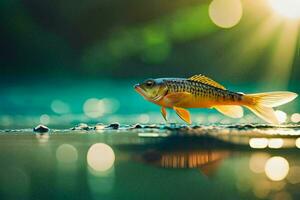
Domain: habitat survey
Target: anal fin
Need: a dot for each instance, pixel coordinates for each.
(183, 114)
(230, 111)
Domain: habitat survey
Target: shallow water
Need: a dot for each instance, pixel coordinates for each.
(215, 158)
(153, 162)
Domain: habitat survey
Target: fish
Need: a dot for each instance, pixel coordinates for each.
(207, 161)
(200, 91)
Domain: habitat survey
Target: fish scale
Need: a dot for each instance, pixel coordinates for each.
(202, 90)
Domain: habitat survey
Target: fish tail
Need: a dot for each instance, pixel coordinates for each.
(262, 104)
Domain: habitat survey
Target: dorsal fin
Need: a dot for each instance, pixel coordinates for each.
(203, 79)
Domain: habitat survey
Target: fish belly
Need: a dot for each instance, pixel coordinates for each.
(205, 102)
(196, 102)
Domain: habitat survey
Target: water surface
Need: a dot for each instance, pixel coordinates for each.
(147, 163)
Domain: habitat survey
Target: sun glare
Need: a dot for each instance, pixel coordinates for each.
(286, 8)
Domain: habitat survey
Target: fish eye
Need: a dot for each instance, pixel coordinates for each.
(149, 83)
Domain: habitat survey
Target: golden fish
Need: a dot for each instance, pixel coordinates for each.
(200, 91)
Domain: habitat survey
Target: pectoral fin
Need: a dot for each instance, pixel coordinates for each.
(175, 98)
(183, 114)
(164, 113)
(230, 111)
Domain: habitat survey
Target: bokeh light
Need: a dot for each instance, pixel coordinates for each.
(66, 153)
(226, 13)
(294, 175)
(281, 116)
(262, 189)
(257, 162)
(278, 185)
(60, 107)
(297, 143)
(148, 134)
(295, 117)
(111, 105)
(277, 168)
(44, 119)
(258, 143)
(143, 118)
(100, 157)
(95, 108)
(275, 143)
(286, 8)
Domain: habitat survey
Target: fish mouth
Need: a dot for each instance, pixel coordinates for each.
(138, 88)
(142, 92)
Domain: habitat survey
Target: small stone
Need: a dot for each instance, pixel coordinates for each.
(115, 125)
(99, 126)
(196, 126)
(242, 127)
(41, 129)
(81, 126)
(137, 126)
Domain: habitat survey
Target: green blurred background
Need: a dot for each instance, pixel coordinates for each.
(100, 48)
(133, 38)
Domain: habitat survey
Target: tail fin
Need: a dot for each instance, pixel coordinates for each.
(262, 104)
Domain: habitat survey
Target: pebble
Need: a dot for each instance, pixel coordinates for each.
(99, 126)
(196, 126)
(242, 126)
(115, 125)
(41, 129)
(81, 126)
(137, 126)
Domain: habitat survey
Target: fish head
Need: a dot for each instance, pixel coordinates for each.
(152, 89)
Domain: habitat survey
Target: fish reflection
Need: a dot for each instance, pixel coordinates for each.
(66, 154)
(207, 161)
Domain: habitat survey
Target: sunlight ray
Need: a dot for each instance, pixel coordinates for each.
(281, 60)
(249, 50)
